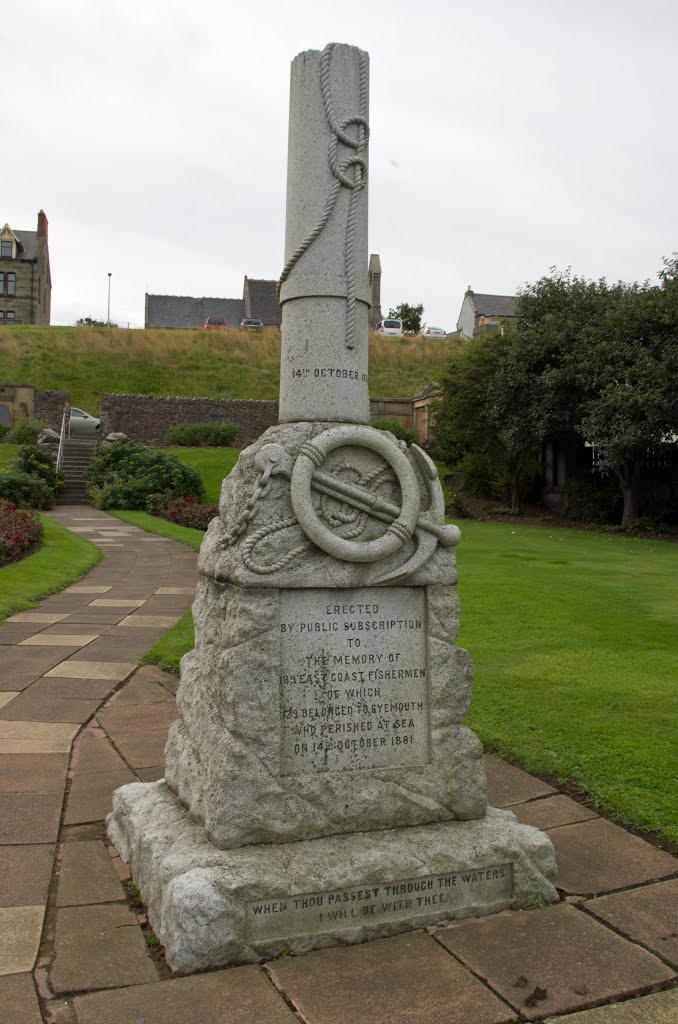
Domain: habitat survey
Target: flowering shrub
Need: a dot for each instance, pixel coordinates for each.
(184, 510)
(20, 530)
(125, 474)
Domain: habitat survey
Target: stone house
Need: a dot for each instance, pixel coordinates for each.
(482, 312)
(25, 280)
(259, 300)
(183, 312)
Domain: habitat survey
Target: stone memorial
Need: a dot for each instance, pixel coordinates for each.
(320, 786)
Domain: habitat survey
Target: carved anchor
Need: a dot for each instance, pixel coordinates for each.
(404, 522)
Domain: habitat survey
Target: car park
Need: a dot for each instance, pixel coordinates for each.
(82, 422)
(250, 323)
(216, 323)
(394, 327)
(433, 332)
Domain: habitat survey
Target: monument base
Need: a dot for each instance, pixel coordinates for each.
(211, 907)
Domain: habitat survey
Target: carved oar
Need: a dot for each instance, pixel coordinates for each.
(355, 495)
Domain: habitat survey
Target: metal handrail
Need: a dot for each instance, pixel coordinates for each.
(65, 432)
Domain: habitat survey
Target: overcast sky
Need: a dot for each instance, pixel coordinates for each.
(507, 136)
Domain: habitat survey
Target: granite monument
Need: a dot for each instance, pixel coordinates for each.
(320, 785)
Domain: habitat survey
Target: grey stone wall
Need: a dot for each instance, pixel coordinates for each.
(146, 419)
(49, 407)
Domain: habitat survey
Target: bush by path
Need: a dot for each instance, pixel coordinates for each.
(126, 474)
(20, 530)
(63, 558)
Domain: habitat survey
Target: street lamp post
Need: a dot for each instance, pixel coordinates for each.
(108, 321)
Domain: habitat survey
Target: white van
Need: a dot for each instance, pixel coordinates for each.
(390, 327)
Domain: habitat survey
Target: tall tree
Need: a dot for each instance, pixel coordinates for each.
(410, 316)
(615, 353)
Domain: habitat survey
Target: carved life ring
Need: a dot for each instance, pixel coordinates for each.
(312, 455)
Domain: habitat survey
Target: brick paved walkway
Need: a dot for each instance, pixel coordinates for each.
(78, 719)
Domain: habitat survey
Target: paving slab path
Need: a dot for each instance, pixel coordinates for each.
(78, 718)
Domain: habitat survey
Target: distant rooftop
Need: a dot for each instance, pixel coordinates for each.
(494, 305)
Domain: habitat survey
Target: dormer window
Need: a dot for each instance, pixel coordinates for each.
(6, 250)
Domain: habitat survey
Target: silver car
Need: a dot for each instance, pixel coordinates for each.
(432, 332)
(82, 422)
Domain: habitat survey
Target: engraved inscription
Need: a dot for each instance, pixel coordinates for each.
(326, 373)
(372, 903)
(353, 679)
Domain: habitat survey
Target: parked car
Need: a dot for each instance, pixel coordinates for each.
(250, 323)
(82, 422)
(433, 332)
(216, 323)
(390, 327)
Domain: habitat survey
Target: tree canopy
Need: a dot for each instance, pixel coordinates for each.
(587, 358)
(410, 316)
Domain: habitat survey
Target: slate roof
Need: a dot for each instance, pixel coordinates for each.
(29, 241)
(263, 302)
(184, 311)
(495, 305)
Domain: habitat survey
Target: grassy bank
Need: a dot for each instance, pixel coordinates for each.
(213, 464)
(154, 524)
(573, 636)
(89, 361)
(63, 558)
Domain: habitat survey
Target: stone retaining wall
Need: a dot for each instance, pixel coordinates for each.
(49, 407)
(146, 419)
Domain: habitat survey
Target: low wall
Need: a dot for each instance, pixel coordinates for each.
(41, 404)
(146, 419)
(49, 407)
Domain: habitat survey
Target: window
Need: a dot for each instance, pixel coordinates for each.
(6, 250)
(2, 316)
(7, 284)
(10, 316)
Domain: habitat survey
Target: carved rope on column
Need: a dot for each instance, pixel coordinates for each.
(342, 180)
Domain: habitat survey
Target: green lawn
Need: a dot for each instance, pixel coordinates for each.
(573, 635)
(8, 453)
(213, 464)
(63, 558)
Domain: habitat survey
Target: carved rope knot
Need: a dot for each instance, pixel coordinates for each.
(311, 452)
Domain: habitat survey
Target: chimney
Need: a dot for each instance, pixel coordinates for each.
(42, 225)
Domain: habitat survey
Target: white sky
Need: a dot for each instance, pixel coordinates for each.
(507, 136)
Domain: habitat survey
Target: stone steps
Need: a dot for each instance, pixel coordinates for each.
(78, 453)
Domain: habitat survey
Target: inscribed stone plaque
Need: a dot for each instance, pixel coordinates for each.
(376, 902)
(353, 679)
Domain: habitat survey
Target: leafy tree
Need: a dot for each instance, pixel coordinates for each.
(90, 321)
(410, 316)
(614, 354)
(498, 403)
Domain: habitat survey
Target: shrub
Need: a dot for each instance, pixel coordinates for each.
(24, 431)
(592, 499)
(185, 511)
(479, 474)
(37, 459)
(398, 430)
(125, 474)
(20, 530)
(4, 429)
(26, 490)
(213, 435)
